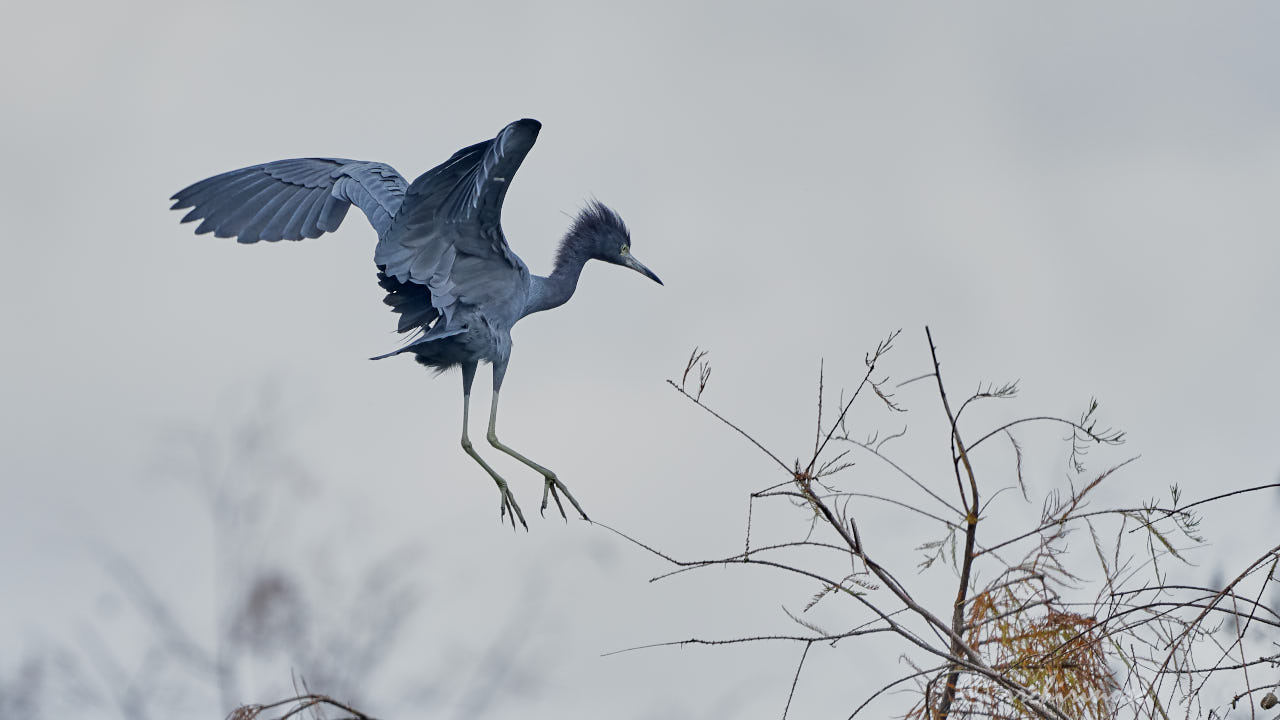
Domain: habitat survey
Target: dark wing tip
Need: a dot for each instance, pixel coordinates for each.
(524, 132)
(528, 123)
(181, 199)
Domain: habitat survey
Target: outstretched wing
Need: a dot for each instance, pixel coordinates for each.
(292, 199)
(447, 235)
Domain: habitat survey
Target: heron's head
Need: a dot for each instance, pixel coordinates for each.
(600, 233)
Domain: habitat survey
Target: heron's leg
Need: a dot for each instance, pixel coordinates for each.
(552, 485)
(509, 505)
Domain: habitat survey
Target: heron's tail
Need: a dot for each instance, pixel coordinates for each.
(435, 333)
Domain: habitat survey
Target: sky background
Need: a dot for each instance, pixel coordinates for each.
(1080, 196)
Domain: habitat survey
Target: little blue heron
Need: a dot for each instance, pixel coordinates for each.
(441, 255)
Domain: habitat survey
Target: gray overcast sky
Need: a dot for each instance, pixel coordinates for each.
(1081, 196)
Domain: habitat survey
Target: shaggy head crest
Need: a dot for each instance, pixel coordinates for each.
(597, 232)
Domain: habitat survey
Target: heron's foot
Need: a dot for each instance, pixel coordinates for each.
(552, 487)
(509, 508)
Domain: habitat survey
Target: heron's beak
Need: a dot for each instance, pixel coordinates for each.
(639, 267)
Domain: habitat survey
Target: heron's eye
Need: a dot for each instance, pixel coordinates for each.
(625, 249)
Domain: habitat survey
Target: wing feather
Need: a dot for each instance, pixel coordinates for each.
(332, 214)
(225, 209)
(292, 199)
(238, 224)
(293, 229)
(257, 228)
(311, 225)
(277, 225)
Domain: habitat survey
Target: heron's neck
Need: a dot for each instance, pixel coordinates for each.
(556, 289)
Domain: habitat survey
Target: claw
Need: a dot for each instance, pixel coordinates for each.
(550, 487)
(509, 508)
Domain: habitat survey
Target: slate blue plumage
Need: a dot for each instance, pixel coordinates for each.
(441, 255)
